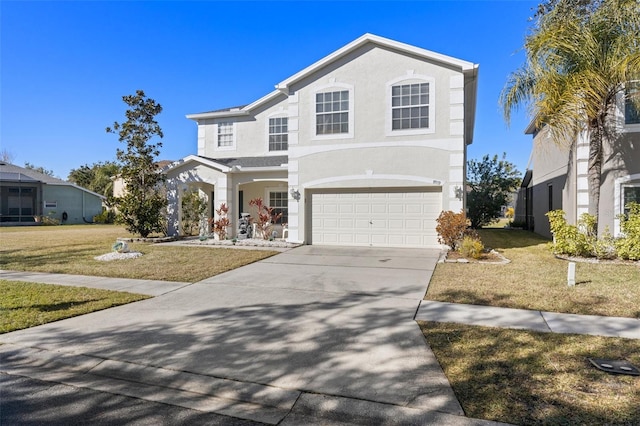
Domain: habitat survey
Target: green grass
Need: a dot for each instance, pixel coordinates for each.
(70, 249)
(536, 279)
(526, 377)
(24, 305)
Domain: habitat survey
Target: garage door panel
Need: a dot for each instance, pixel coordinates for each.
(394, 218)
(414, 209)
(396, 209)
(396, 224)
(362, 239)
(363, 208)
(413, 225)
(362, 224)
(378, 208)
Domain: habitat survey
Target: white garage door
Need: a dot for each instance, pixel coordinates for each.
(383, 219)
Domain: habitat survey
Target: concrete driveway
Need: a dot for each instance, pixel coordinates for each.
(312, 332)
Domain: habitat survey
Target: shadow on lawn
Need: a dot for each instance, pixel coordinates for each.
(525, 377)
(53, 307)
(500, 239)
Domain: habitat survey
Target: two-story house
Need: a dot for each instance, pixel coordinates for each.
(557, 176)
(364, 147)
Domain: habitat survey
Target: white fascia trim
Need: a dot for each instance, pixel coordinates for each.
(265, 99)
(219, 114)
(195, 159)
(470, 100)
(464, 66)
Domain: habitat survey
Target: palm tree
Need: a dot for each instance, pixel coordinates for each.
(578, 61)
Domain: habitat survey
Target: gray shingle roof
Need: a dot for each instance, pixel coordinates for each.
(271, 161)
(11, 172)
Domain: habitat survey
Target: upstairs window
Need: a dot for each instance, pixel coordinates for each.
(278, 134)
(332, 112)
(631, 111)
(225, 135)
(410, 106)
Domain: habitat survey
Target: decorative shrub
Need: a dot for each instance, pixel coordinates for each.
(567, 239)
(222, 223)
(107, 216)
(628, 246)
(265, 218)
(509, 213)
(471, 247)
(194, 208)
(582, 240)
(452, 227)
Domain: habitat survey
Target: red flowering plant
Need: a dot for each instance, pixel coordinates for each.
(265, 218)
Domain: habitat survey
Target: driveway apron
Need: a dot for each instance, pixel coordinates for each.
(331, 322)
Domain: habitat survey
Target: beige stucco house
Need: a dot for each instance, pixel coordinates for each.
(557, 175)
(364, 147)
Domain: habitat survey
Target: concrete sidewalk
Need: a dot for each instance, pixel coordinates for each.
(148, 287)
(429, 310)
(305, 337)
(491, 316)
(309, 336)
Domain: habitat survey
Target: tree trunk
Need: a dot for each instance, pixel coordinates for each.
(595, 170)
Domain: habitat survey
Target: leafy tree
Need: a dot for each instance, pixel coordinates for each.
(38, 169)
(194, 209)
(580, 56)
(582, 7)
(97, 177)
(140, 208)
(490, 183)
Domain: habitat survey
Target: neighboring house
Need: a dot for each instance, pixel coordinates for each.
(364, 147)
(557, 175)
(119, 187)
(27, 195)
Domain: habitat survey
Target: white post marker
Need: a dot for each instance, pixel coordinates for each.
(571, 274)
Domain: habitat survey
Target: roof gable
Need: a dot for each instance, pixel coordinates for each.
(469, 69)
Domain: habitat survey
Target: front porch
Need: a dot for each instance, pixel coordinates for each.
(215, 183)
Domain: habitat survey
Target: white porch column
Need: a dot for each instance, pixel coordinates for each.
(224, 194)
(173, 207)
(582, 176)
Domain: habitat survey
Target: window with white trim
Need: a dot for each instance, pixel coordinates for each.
(225, 134)
(630, 193)
(410, 106)
(279, 202)
(631, 110)
(332, 112)
(278, 134)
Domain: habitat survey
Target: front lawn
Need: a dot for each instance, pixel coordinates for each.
(536, 279)
(70, 249)
(525, 377)
(24, 305)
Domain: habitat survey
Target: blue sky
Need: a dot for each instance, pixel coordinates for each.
(66, 65)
